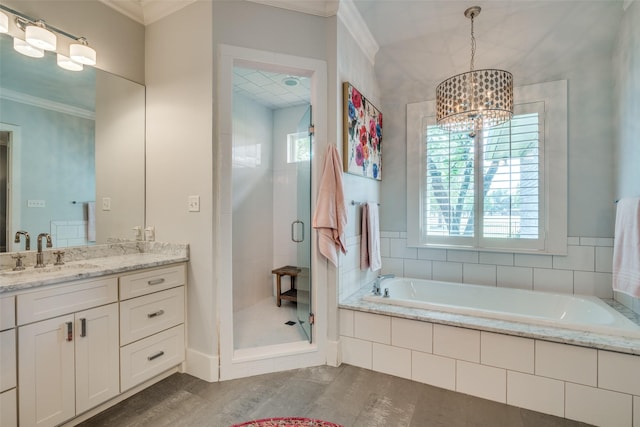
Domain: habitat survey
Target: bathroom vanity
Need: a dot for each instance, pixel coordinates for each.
(79, 337)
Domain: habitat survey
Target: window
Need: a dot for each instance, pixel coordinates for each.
(498, 191)
(298, 147)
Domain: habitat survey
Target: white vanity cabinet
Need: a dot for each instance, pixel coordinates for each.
(151, 323)
(8, 374)
(68, 363)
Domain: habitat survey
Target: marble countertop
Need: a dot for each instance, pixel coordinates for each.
(96, 261)
(566, 336)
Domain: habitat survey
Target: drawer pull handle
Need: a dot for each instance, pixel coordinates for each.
(155, 282)
(155, 356)
(83, 327)
(156, 314)
(69, 331)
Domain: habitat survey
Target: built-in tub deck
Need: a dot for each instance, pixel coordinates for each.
(602, 341)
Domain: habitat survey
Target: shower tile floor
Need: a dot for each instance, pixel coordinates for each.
(264, 323)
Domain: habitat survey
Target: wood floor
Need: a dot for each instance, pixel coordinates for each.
(345, 395)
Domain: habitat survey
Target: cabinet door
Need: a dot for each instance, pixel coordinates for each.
(46, 387)
(97, 356)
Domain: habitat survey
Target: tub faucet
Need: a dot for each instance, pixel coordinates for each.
(27, 239)
(40, 255)
(376, 283)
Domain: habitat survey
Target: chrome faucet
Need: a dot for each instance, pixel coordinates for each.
(27, 239)
(376, 283)
(39, 255)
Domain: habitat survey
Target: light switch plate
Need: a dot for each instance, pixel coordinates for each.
(106, 203)
(194, 203)
(36, 203)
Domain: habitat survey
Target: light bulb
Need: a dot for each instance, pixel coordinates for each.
(82, 53)
(38, 36)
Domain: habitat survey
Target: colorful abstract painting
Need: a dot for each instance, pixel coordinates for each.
(362, 135)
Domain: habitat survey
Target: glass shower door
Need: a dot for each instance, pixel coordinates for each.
(301, 233)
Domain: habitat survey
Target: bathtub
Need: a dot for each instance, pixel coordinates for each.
(576, 312)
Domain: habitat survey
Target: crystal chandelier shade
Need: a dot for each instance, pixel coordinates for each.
(477, 99)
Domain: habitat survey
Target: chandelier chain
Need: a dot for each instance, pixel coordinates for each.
(473, 43)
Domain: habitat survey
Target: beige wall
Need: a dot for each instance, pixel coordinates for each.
(117, 39)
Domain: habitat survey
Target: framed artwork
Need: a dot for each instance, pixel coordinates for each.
(362, 128)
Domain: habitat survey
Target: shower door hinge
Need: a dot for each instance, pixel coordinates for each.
(312, 318)
(312, 130)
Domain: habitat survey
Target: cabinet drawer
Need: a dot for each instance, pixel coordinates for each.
(8, 409)
(146, 282)
(149, 314)
(7, 313)
(7, 360)
(66, 299)
(151, 356)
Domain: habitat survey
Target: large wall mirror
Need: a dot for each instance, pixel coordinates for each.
(71, 152)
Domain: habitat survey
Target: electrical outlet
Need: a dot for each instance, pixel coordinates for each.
(106, 203)
(194, 203)
(36, 204)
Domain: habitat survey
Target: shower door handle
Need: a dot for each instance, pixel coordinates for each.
(293, 226)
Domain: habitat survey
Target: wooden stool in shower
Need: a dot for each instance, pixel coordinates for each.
(291, 294)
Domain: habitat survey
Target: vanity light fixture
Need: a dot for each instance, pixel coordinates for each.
(66, 63)
(40, 37)
(26, 49)
(477, 99)
(37, 35)
(81, 52)
(4, 23)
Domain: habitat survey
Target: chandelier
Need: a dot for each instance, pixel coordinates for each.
(477, 99)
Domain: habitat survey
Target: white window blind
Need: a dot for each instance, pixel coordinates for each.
(492, 191)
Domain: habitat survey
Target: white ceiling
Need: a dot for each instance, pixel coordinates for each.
(271, 89)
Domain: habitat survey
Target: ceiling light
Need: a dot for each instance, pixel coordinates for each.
(82, 53)
(38, 36)
(26, 49)
(477, 99)
(291, 81)
(4, 23)
(68, 64)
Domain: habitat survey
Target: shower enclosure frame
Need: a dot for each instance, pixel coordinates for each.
(237, 363)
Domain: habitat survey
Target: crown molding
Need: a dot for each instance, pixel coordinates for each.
(34, 101)
(353, 21)
(312, 7)
(147, 11)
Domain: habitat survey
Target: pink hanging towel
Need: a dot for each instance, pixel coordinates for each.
(330, 217)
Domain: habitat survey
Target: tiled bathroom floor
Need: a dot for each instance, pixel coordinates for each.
(350, 396)
(264, 324)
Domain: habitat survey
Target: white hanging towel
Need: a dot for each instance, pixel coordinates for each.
(91, 221)
(373, 223)
(626, 247)
(330, 216)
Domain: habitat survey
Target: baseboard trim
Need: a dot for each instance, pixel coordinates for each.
(334, 355)
(203, 366)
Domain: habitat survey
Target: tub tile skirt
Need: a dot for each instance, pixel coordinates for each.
(590, 385)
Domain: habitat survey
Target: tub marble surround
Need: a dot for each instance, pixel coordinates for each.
(549, 333)
(582, 376)
(84, 262)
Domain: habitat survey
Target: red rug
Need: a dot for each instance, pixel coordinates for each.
(287, 422)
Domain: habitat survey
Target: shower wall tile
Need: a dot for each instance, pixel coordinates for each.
(419, 269)
(527, 260)
(578, 258)
(597, 284)
(434, 370)
(462, 256)
(393, 266)
(604, 259)
(515, 277)
(548, 280)
(432, 254)
(479, 274)
(398, 249)
(447, 271)
(496, 258)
